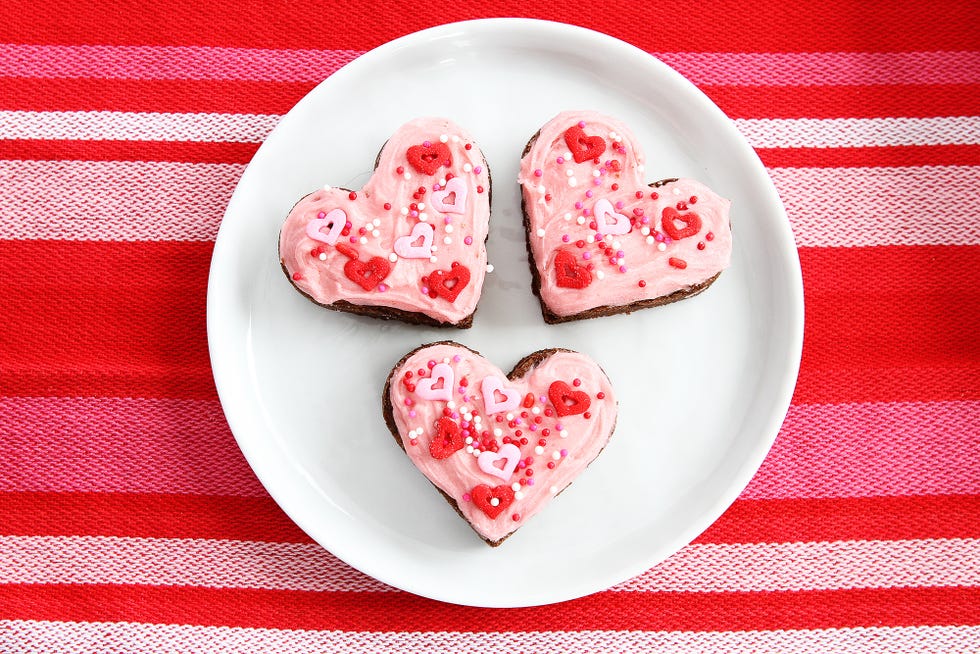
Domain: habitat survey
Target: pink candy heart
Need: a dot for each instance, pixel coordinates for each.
(405, 245)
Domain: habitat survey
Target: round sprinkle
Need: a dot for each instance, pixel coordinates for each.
(494, 501)
(489, 270)
(468, 240)
(541, 232)
(443, 138)
(393, 257)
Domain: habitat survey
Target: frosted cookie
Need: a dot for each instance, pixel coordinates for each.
(498, 446)
(600, 240)
(409, 245)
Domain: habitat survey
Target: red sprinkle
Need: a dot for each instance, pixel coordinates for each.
(615, 187)
(587, 415)
(701, 245)
(468, 146)
(677, 263)
(400, 170)
(297, 276)
(641, 283)
(693, 199)
(387, 206)
(710, 236)
(516, 517)
(528, 401)
(654, 195)
(576, 382)
(600, 395)
(479, 189)
(352, 195)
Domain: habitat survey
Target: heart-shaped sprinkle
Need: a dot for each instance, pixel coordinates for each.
(448, 284)
(408, 247)
(428, 158)
(492, 501)
(456, 190)
(564, 415)
(566, 400)
(367, 274)
(418, 224)
(492, 385)
(582, 146)
(334, 222)
(509, 454)
(616, 233)
(447, 440)
(604, 212)
(439, 385)
(569, 273)
(669, 219)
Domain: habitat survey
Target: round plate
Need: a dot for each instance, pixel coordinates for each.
(703, 384)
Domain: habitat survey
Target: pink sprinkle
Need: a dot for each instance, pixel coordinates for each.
(588, 194)
(564, 452)
(560, 160)
(465, 428)
(455, 416)
(581, 123)
(408, 401)
(530, 481)
(658, 237)
(622, 269)
(478, 169)
(353, 239)
(435, 187)
(538, 172)
(619, 205)
(466, 497)
(522, 464)
(431, 363)
(414, 214)
(586, 255)
(564, 238)
(468, 240)
(448, 220)
(586, 212)
(456, 358)
(321, 215)
(411, 414)
(426, 144)
(620, 254)
(533, 427)
(382, 287)
(542, 399)
(578, 205)
(462, 390)
(644, 220)
(558, 426)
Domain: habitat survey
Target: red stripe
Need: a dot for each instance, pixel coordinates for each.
(184, 151)
(260, 519)
(857, 101)
(718, 25)
(147, 515)
(394, 611)
(182, 96)
(910, 155)
(883, 323)
(890, 323)
(125, 319)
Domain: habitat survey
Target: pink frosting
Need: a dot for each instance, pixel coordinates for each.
(571, 441)
(460, 227)
(562, 197)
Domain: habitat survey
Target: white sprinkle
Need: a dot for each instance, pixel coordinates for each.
(489, 267)
(617, 245)
(510, 416)
(432, 259)
(650, 240)
(469, 449)
(476, 452)
(568, 216)
(580, 220)
(323, 256)
(450, 404)
(518, 495)
(677, 191)
(563, 433)
(494, 501)
(607, 237)
(376, 222)
(448, 240)
(467, 416)
(644, 230)
(541, 232)
(569, 172)
(467, 167)
(393, 257)
(554, 490)
(363, 240)
(327, 187)
(442, 182)
(498, 432)
(541, 188)
(477, 419)
(375, 233)
(600, 274)
(613, 136)
(568, 156)
(455, 139)
(661, 246)
(407, 175)
(421, 206)
(590, 238)
(469, 440)
(535, 410)
(444, 138)
(515, 486)
(620, 260)
(539, 450)
(640, 168)
(596, 173)
(423, 217)
(556, 455)
(404, 211)
(449, 229)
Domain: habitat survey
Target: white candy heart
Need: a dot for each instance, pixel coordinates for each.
(405, 245)
(456, 187)
(441, 372)
(336, 219)
(511, 454)
(493, 385)
(603, 212)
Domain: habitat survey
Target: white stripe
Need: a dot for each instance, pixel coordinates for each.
(115, 200)
(698, 568)
(924, 205)
(133, 126)
(253, 128)
(859, 132)
(30, 636)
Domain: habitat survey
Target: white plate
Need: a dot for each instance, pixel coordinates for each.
(703, 384)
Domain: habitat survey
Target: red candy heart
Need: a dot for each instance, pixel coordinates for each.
(448, 439)
(568, 401)
(427, 159)
(569, 273)
(483, 494)
(582, 146)
(669, 219)
(448, 283)
(367, 274)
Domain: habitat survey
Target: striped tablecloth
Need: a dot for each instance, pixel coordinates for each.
(130, 522)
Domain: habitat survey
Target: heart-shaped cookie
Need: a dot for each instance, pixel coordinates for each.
(499, 447)
(600, 240)
(410, 244)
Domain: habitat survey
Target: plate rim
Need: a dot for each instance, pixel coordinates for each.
(221, 364)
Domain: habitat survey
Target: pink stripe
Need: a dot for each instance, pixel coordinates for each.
(120, 445)
(862, 450)
(171, 62)
(826, 68)
(191, 62)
